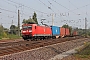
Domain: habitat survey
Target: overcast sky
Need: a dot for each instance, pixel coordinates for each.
(72, 12)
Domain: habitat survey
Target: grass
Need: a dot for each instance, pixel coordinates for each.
(13, 36)
(84, 52)
(10, 36)
(0, 37)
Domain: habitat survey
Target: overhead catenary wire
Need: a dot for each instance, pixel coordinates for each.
(47, 6)
(17, 7)
(65, 7)
(72, 4)
(83, 12)
(68, 8)
(52, 14)
(22, 12)
(43, 2)
(61, 14)
(27, 7)
(60, 5)
(8, 10)
(10, 3)
(78, 7)
(11, 11)
(58, 10)
(22, 4)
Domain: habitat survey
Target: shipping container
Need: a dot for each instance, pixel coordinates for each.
(75, 33)
(67, 33)
(55, 30)
(62, 32)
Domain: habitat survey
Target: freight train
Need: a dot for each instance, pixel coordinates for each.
(35, 31)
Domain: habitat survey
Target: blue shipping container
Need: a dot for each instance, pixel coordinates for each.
(55, 30)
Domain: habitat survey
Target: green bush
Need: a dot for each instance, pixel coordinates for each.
(11, 36)
(0, 37)
(4, 35)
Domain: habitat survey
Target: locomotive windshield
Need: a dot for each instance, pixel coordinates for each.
(27, 27)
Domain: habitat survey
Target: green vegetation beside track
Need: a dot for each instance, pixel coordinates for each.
(13, 36)
(10, 36)
(84, 52)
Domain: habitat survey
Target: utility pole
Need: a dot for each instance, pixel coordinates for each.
(18, 23)
(12, 28)
(85, 27)
(12, 22)
(65, 29)
(52, 20)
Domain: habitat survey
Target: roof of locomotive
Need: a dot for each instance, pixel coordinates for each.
(35, 25)
(28, 24)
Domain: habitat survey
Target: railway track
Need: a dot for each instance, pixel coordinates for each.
(15, 47)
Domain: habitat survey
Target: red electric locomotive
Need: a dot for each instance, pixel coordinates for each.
(34, 31)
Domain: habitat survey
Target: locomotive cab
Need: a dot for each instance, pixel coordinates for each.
(27, 31)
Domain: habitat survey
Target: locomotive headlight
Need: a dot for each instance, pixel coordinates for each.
(23, 31)
(30, 30)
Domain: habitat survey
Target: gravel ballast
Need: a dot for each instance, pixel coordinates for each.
(45, 53)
